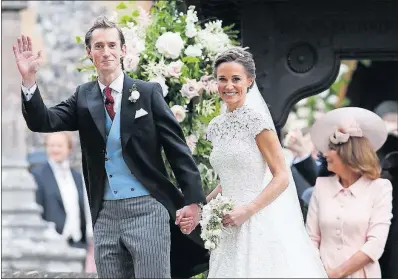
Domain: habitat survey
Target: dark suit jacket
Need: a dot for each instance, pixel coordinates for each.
(389, 259)
(49, 197)
(142, 141)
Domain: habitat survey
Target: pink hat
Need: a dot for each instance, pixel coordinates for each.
(338, 125)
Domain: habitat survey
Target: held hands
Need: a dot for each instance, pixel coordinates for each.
(27, 62)
(188, 218)
(237, 216)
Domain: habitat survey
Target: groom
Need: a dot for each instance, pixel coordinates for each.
(122, 133)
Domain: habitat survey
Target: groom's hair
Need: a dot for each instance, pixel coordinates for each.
(102, 22)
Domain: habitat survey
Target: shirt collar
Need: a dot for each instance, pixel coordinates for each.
(65, 165)
(116, 85)
(356, 189)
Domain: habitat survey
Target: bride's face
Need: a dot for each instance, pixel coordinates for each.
(233, 82)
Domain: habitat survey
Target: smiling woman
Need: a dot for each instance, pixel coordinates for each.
(350, 213)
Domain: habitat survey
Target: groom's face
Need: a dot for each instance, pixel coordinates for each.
(106, 50)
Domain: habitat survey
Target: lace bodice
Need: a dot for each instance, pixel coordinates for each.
(236, 157)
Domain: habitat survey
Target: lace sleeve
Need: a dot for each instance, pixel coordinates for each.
(259, 122)
(210, 131)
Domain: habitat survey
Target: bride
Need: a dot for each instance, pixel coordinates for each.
(266, 236)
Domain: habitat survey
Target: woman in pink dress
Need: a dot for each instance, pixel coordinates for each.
(350, 213)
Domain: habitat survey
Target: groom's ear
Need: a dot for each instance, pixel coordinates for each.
(88, 50)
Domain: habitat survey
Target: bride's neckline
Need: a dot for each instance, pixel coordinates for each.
(237, 109)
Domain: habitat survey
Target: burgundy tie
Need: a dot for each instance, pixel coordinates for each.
(109, 102)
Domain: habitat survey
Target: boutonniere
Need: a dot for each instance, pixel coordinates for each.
(134, 93)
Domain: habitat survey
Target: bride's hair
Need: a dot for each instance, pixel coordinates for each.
(238, 55)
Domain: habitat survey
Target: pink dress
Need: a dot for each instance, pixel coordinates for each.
(341, 221)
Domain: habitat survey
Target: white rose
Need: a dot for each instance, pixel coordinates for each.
(160, 80)
(193, 50)
(134, 96)
(130, 62)
(170, 45)
(179, 112)
(190, 89)
(216, 232)
(174, 69)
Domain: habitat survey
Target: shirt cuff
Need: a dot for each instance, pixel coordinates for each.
(300, 159)
(28, 92)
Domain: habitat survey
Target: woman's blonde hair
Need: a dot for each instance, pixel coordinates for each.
(358, 154)
(68, 136)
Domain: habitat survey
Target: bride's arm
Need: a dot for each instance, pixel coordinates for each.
(214, 193)
(268, 143)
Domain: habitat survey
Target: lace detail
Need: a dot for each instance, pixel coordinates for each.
(240, 123)
(273, 243)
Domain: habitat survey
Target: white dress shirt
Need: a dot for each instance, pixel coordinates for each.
(116, 87)
(70, 198)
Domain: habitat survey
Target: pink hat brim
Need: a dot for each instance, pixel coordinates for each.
(372, 126)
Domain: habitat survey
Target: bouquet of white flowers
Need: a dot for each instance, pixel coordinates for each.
(211, 222)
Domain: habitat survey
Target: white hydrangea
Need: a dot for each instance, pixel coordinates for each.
(170, 44)
(193, 50)
(213, 38)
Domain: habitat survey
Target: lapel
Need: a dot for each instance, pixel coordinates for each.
(51, 181)
(95, 104)
(127, 111)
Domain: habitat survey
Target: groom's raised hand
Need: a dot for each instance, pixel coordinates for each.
(27, 62)
(187, 218)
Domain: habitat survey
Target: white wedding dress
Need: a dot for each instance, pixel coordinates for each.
(274, 242)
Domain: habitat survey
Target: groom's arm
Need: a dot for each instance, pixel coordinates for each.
(177, 151)
(39, 118)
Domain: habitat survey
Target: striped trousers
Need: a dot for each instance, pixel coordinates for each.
(132, 239)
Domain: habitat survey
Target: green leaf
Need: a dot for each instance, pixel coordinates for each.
(78, 39)
(190, 59)
(121, 6)
(135, 13)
